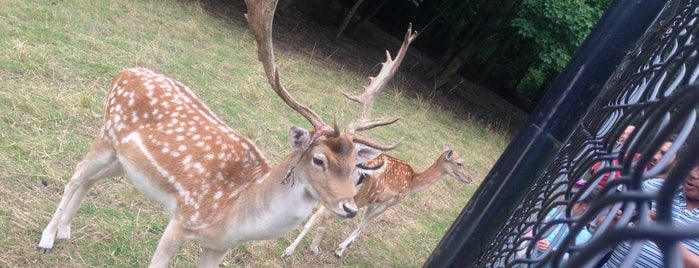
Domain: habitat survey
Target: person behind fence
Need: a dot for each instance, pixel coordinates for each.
(610, 176)
(664, 148)
(561, 231)
(685, 211)
(625, 135)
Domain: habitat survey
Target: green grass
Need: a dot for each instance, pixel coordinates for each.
(56, 61)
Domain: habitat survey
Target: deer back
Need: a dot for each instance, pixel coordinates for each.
(171, 144)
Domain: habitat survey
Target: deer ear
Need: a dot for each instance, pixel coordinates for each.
(363, 153)
(449, 155)
(299, 138)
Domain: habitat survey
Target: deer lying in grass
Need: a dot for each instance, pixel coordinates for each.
(218, 188)
(385, 182)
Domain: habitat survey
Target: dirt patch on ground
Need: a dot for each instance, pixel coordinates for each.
(297, 33)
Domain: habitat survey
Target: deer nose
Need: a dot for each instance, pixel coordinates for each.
(351, 209)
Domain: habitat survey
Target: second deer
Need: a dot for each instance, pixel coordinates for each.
(385, 182)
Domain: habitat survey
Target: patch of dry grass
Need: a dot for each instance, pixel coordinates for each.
(56, 61)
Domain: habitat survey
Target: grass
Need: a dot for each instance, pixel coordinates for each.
(56, 61)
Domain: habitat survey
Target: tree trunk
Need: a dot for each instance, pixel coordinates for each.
(348, 18)
(480, 19)
(365, 19)
(492, 18)
(499, 53)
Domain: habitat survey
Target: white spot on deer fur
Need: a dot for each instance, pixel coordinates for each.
(134, 117)
(182, 148)
(179, 138)
(153, 101)
(218, 195)
(199, 168)
(194, 217)
(186, 160)
(219, 176)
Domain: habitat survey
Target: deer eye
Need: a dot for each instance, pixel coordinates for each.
(317, 161)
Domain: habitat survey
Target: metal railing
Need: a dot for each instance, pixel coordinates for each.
(639, 66)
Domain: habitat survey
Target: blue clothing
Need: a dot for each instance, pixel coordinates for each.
(581, 238)
(651, 256)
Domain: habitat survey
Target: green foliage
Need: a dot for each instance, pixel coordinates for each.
(557, 29)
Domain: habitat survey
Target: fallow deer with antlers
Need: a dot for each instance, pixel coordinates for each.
(384, 182)
(218, 188)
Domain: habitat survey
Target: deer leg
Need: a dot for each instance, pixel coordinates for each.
(100, 163)
(63, 231)
(372, 212)
(212, 257)
(307, 227)
(170, 242)
(313, 247)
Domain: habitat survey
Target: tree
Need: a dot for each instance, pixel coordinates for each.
(489, 18)
(557, 29)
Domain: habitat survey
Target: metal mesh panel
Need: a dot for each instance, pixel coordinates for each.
(655, 90)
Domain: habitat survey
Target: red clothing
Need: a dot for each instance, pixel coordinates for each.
(605, 177)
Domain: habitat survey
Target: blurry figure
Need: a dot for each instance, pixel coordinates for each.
(664, 148)
(609, 176)
(685, 211)
(625, 135)
(561, 230)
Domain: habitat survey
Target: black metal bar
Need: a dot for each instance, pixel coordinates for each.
(548, 126)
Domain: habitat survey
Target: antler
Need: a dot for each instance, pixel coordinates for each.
(260, 16)
(371, 92)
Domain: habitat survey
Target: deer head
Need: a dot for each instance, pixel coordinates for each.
(328, 153)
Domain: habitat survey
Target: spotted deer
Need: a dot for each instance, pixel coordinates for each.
(216, 185)
(384, 182)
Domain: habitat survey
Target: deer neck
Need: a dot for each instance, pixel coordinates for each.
(274, 204)
(423, 180)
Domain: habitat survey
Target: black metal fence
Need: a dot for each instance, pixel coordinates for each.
(639, 67)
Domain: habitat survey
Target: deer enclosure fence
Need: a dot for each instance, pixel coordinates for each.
(638, 67)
